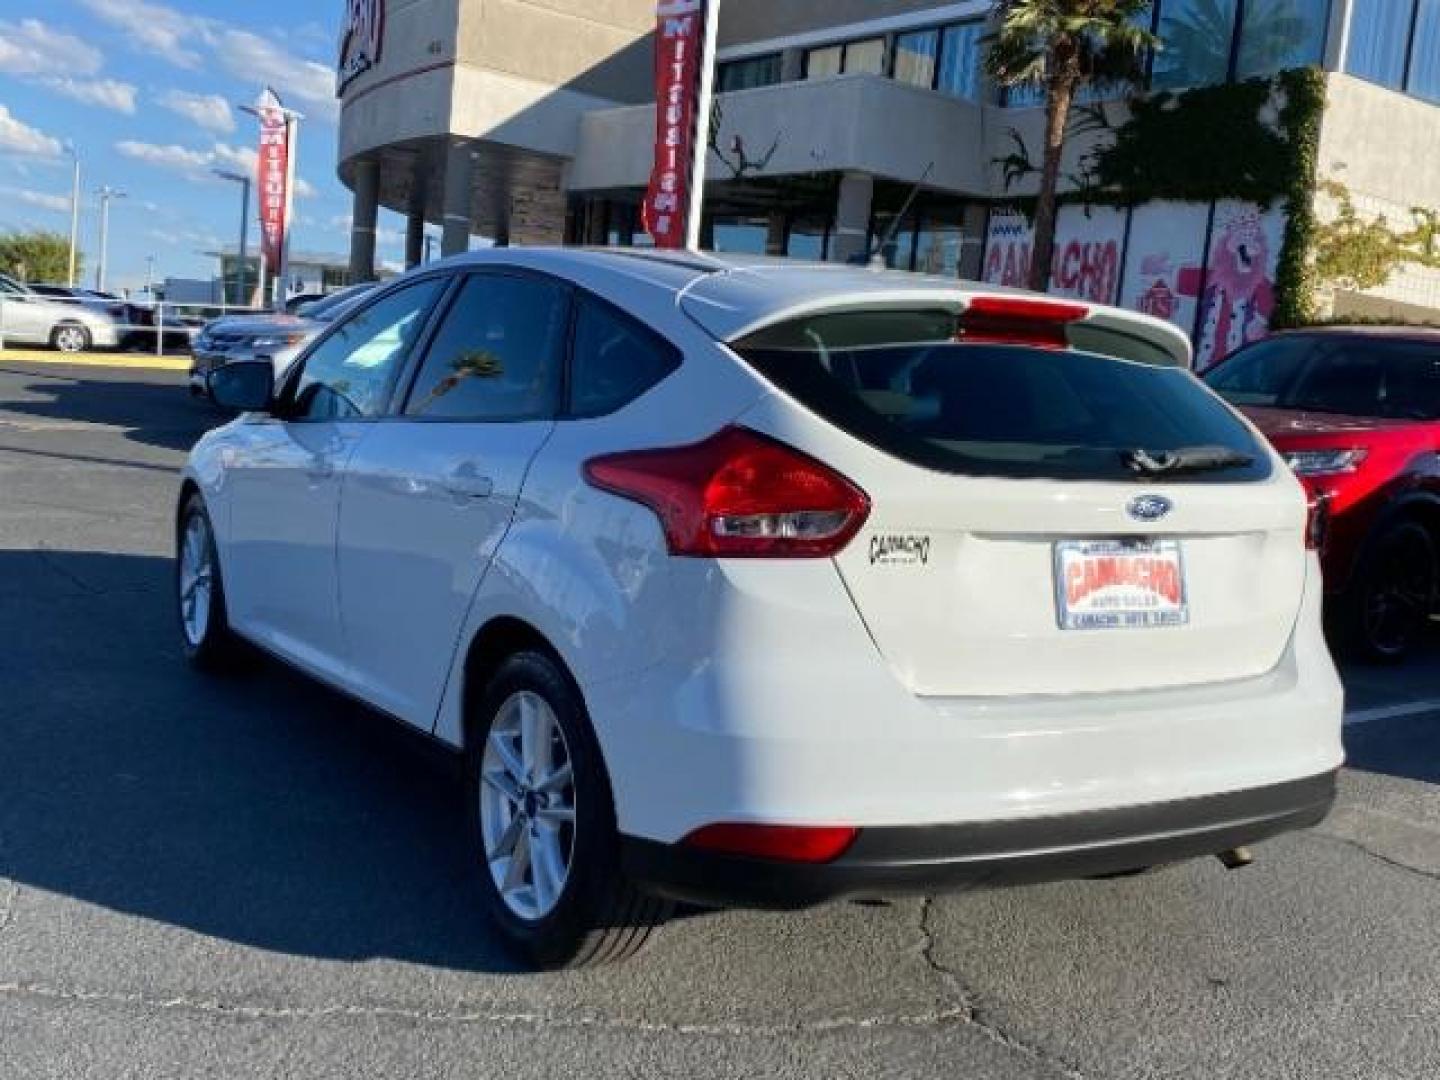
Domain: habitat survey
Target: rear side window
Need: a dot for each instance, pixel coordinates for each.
(497, 354)
(1350, 375)
(614, 360)
(998, 409)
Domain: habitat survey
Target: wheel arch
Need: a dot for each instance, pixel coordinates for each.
(496, 641)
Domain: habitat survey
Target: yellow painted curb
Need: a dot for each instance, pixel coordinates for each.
(131, 361)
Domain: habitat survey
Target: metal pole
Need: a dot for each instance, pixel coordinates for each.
(72, 281)
(702, 125)
(244, 300)
(104, 239)
(292, 139)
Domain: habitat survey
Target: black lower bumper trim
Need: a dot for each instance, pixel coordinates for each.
(892, 861)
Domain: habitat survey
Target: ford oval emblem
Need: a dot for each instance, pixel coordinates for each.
(1149, 507)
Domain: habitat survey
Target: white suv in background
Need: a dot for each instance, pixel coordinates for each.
(757, 583)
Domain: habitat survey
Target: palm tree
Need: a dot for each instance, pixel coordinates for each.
(1062, 46)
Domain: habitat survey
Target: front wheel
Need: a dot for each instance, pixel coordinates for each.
(70, 338)
(1389, 605)
(205, 631)
(542, 824)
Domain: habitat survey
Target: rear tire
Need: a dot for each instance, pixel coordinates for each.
(1387, 609)
(541, 824)
(70, 338)
(205, 635)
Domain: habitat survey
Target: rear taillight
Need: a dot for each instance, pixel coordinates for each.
(1317, 524)
(738, 494)
(781, 843)
(1019, 320)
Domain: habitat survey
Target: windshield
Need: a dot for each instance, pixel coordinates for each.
(1352, 375)
(1003, 410)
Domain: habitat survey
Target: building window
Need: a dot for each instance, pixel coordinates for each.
(960, 68)
(748, 74)
(1379, 40)
(823, 63)
(915, 57)
(1424, 80)
(1198, 36)
(865, 57)
(1280, 34)
(853, 58)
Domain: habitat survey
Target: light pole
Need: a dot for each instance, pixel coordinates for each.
(107, 195)
(149, 275)
(292, 144)
(244, 181)
(71, 149)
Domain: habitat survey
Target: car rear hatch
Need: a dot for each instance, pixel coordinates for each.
(1057, 505)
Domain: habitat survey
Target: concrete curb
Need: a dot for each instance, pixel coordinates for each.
(128, 361)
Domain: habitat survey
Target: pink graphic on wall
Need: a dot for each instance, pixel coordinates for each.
(1008, 244)
(1162, 269)
(1240, 280)
(1087, 252)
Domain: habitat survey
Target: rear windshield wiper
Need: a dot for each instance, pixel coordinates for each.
(1185, 459)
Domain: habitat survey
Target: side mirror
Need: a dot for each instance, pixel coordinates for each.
(245, 386)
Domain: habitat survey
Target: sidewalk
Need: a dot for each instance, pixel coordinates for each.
(137, 361)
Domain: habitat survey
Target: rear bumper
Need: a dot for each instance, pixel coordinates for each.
(939, 858)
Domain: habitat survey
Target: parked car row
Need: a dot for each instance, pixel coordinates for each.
(749, 583)
(73, 320)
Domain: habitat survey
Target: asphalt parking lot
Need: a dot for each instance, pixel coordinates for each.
(251, 878)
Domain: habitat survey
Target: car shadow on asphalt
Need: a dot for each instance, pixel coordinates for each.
(258, 808)
(153, 408)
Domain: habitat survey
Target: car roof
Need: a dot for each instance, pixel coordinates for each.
(732, 296)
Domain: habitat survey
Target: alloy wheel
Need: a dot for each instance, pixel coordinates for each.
(70, 339)
(1400, 593)
(527, 806)
(197, 574)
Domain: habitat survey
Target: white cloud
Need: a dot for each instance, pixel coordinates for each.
(20, 138)
(302, 82)
(209, 111)
(106, 93)
(41, 200)
(168, 157)
(162, 31)
(242, 159)
(30, 47)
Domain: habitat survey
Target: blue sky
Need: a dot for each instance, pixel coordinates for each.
(147, 91)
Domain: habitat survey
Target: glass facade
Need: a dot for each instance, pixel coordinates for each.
(750, 73)
(1198, 37)
(960, 68)
(915, 57)
(1396, 43)
(1281, 34)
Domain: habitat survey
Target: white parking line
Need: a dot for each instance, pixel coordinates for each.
(1355, 717)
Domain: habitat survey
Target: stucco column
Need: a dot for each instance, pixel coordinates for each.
(852, 216)
(459, 200)
(775, 233)
(363, 217)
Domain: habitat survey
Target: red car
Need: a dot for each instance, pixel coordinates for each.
(1356, 412)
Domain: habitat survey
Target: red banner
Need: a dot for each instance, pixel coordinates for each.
(679, 51)
(274, 179)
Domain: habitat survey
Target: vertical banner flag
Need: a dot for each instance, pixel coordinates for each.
(274, 179)
(679, 49)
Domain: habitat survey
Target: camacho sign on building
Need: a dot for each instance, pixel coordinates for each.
(362, 36)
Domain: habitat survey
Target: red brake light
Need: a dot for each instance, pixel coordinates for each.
(1019, 320)
(781, 843)
(738, 494)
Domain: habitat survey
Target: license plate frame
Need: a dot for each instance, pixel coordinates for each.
(1152, 595)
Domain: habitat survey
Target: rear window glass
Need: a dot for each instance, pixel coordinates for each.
(1348, 375)
(999, 409)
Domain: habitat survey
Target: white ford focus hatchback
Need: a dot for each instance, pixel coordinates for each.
(755, 583)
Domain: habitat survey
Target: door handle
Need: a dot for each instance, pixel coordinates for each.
(467, 482)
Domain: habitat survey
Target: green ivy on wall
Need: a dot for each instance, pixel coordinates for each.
(1211, 144)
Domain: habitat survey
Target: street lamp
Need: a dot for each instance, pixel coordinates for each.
(244, 182)
(292, 143)
(74, 152)
(107, 195)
